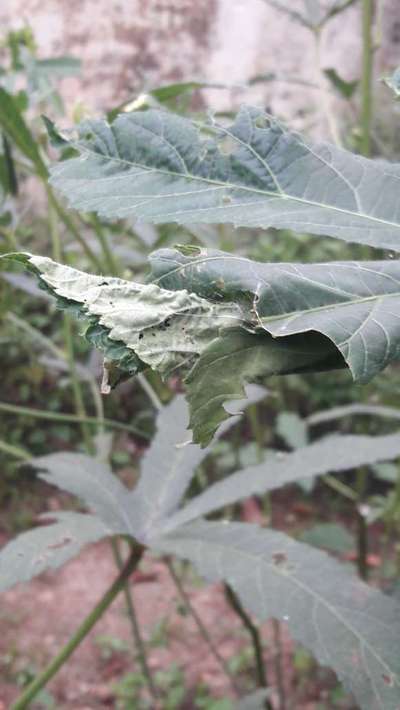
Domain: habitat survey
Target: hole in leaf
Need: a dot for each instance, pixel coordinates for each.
(62, 543)
(227, 146)
(388, 680)
(261, 122)
(279, 558)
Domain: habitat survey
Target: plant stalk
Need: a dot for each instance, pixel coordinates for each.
(54, 666)
(367, 10)
(362, 527)
(73, 418)
(237, 607)
(136, 633)
(201, 626)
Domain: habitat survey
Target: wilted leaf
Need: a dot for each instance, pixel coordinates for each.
(136, 325)
(160, 168)
(346, 624)
(48, 546)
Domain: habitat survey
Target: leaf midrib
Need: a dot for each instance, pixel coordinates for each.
(230, 186)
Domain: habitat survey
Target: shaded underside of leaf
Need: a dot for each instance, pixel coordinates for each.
(238, 357)
(347, 625)
(354, 304)
(159, 167)
(48, 546)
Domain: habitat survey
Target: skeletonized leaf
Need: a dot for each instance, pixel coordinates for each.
(169, 465)
(92, 482)
(159, 167)
(346, 624)
(237, 357)
(134, 324)
(336, 453)
(48, 546)
(354, 304)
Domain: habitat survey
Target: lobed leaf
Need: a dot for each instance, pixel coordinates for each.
(159, 167)
(48, 546)
(346, 624)
(169, 465)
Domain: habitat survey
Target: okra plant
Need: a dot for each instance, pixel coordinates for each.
(221, 321)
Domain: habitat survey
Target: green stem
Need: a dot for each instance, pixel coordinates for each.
(151, 393)
(73, 418)
(201, 626)
(366, 77)
(15, 451)
(136, 633)
(76, 385)
(54, 666)
(254, 635)
(340, 487)
(109, 258)
(325, 99)
(279, 672)
(65, 218)
(362, 527)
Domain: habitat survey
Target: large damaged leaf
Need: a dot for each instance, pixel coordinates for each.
(159, 167)
(346, 624)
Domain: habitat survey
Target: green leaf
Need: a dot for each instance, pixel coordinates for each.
(8, 176)
(48, 546)
(332, 537)
(292, 429)
(351, 410)
(347, 625)
(237, 357)
(354, 304)
(95, 484)
(335, 453)
(344, 88)
(15, 128)
(159, 167)
(393, 82)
